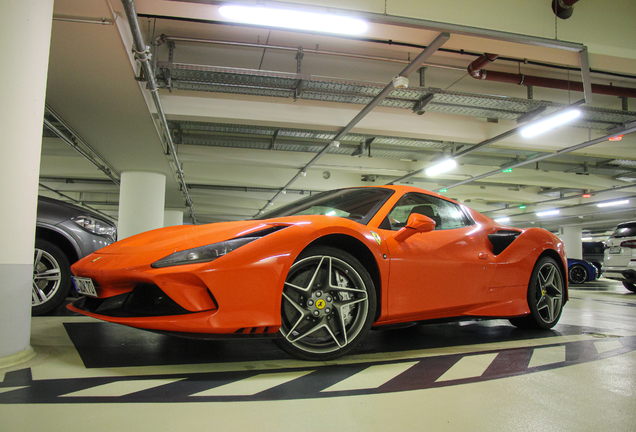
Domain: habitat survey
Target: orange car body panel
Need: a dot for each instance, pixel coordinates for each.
(431, 275)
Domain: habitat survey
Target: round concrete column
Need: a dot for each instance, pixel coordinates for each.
(571, 236)
(141, 202)
(25, 32)
(172, 218)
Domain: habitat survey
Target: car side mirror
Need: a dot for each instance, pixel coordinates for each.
(416, 223)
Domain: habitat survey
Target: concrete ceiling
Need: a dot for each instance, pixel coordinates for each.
(240, 138)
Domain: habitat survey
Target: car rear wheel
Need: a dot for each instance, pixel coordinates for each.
(545, 296)
(328, 305)
(577, 274)
(630, 286)
(51, 277)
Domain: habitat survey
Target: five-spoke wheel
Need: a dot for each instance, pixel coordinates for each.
(545, 296)
(577, 274)
(328, 305)
(51, 278)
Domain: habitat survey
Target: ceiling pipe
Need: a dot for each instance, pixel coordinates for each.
(563, 8)
(477, 71)
(142, 53)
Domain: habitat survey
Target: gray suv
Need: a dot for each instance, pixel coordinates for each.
(619, 261)
(64, 234)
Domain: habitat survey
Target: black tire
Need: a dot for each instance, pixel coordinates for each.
(630, 286)
(577, 274)
(51, 277)
(323, 319)
(545, 296)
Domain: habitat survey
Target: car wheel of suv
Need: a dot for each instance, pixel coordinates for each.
(630, 286)
(328, 305)
(51, 277)
(577, 274)
(545, 296)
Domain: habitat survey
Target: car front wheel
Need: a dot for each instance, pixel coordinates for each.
(51, 277)
(577, 274)
(328, 305)
(546, 292)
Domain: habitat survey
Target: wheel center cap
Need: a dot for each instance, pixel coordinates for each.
(320, 304)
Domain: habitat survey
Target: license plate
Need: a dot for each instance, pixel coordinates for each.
(615, 250)
(84, 286)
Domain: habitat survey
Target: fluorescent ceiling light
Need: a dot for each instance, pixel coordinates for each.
(613, 203)
(549, 123)
(299, 20)
(502, 219)
(587, 238)
(441, 167)
(547, 213)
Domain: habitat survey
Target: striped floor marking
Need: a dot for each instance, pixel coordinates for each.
(605, 346)
(546, 356)
(121, 388)
(8, 389)
(253, 385)
(468, 367)
(371, 377)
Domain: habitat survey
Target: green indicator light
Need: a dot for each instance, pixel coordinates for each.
(442, 190)
(507, 170)
(522, 206)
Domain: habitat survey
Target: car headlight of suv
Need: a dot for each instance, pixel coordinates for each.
(96, 226)
(203, 253)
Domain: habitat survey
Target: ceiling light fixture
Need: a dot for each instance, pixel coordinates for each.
(613, 203)
(549, 123)
(616, 138)
(547, 213)
(587, 238)
(587, 195)
(440, 167)
(298, 20)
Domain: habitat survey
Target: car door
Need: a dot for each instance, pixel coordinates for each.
(439, 273)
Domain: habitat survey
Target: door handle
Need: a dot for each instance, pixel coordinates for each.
(483, 256)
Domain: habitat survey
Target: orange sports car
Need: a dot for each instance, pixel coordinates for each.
(317, 274)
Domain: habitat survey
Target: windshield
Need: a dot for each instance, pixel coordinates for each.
(358, 204)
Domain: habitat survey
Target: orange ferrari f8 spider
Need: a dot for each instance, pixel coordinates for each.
(317, 274)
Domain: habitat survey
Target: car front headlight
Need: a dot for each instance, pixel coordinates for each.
(96, 226)
(203, 253)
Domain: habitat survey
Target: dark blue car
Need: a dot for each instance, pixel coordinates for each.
(581, 271)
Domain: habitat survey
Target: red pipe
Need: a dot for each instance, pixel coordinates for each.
(475, 70)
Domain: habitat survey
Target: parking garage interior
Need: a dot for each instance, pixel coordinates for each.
(152, 113)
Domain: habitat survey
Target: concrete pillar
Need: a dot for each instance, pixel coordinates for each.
(141, 202)
(571, 236)
(172, 218)
(25, 34)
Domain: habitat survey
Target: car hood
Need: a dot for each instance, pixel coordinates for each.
(173, 239)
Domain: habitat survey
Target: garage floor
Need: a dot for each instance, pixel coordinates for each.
(477, 376)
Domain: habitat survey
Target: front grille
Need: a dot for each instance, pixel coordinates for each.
(149, 299)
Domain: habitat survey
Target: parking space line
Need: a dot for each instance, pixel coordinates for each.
(546, 356)
(254, 384)
(607, 345)
(371, 377)
(468, 367)
(121, 388)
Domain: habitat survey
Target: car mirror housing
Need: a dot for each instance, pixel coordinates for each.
(416, 223)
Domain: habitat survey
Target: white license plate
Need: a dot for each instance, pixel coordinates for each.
(84, 286)
(615, 250)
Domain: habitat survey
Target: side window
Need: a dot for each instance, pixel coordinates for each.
(447, 215)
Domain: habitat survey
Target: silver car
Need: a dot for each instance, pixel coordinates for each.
(64, 234)
(619, 260)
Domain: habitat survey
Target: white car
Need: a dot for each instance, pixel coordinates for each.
(619, 260)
